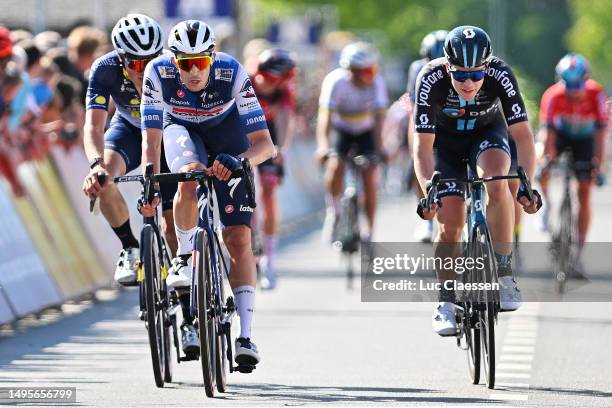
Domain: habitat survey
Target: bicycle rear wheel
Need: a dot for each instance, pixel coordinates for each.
(155, 321)
(207, 329)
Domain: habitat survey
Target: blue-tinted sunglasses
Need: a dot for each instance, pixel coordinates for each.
(462, 76)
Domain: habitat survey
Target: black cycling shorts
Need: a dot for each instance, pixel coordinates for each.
(451, 148)
(582, 152)
(359, 144)
(269, 167)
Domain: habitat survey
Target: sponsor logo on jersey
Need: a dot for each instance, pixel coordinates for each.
(151, 116)
(247, 90)
(180, 93)
(256, 119)
(166, 72)
(454, 113)
(134, 101)
(249, 106)
(245, 208)
(177, 102)
(187, 153)
(425, 86)
(224, 74)
(148, 88)
(100, 99)
(502, 77)
(196, 112)
(229, 209)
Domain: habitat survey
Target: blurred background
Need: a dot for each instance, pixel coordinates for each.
(46, 231)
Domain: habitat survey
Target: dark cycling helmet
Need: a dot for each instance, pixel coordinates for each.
(467, 47)
(573, 70)
(432, 46)
(277, 62)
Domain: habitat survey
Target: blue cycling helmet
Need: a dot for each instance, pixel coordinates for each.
(573, 70)
(432, 46)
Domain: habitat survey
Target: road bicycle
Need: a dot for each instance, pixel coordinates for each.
(477, 309)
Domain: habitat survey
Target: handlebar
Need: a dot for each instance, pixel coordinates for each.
(149, 179)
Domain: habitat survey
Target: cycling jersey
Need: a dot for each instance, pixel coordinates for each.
(574, 119)
(167, 101)
(108, 79)
(352, 107)
(437, 104)
(413, 73)
(278, 99)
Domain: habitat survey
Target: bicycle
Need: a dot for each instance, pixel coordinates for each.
(477, 310)
(157, 304)
(348, 236)
(564, 243)
(212, 309)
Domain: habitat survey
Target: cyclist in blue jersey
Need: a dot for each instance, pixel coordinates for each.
(137, 39)
(203, 104)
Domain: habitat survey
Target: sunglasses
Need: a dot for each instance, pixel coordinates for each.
(137, 65)
(201, 62)
(370, 71)
(462, 76)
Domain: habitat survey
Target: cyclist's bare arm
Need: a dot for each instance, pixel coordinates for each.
(93, 142)
(323, 128)
(284, 122)
(600, 149)
(261, 148)
(93, 132)
(151, 148)
(525, 149)
(422, 151)
(379, 120)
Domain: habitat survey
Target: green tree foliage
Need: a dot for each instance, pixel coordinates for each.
(590, 35)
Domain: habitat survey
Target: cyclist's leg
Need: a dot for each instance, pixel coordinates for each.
(271, 174)
(184, 151)
(168, 191)
(122, 153)
(514, 187)
(582, 151)
(334, 184)
(365, 146)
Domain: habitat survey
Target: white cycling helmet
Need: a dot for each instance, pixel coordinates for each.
(137, 36)
(191, 37)
(358, 55)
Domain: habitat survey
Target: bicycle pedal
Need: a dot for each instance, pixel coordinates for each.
(245, 368)
(142, 315)
(190, 357)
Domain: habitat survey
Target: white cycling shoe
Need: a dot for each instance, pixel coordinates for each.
(444, 321)
(424, 231)
(179, 275)
(246, 352)
(126, 272)
(510, 297)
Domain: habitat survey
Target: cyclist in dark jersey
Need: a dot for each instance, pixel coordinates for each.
(274, 85)
(459, 101)
(118, 75)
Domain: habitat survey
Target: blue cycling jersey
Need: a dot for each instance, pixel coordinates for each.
(108, 79)
(167, 101)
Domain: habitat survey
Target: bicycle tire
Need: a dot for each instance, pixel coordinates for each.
(154, 314)
(471, 328)
(563, 259)
(221, 360)
(488, 315)
(206, 322)
(168, 325)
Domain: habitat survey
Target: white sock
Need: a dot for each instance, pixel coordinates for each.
(269, 247)
(185, 240)
(245, 299)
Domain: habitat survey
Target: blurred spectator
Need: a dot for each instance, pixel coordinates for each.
(20, 35)
(47, 40)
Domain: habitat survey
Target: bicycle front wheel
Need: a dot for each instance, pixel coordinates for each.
(488, 312)
(155, 321)
(207, 329)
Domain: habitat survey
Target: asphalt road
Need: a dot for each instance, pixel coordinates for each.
(321, 344)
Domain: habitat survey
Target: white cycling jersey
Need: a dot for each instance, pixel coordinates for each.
(352, 107)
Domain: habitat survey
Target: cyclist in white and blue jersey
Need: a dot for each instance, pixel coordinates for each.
(203, 104)
(137, 39)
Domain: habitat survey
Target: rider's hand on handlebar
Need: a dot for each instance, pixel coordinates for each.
(91, 186)
(528, 206)
(321, 154)
(425, 213)
(225, 165)
(148, 210)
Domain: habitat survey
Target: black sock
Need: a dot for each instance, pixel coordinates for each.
(124, 232)
(446, 295)
(185, 300)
